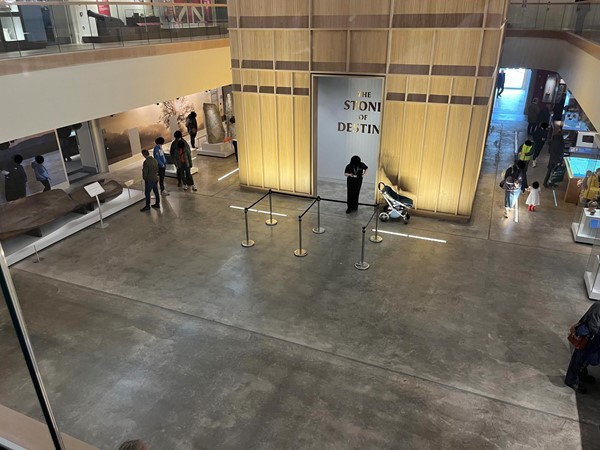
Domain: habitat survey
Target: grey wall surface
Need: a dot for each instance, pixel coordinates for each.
(334, 147)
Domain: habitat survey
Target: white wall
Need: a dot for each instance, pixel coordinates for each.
(335, 147)
(43, 100)
(578, 68)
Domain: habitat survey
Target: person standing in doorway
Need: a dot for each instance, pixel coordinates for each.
(184, 156)
(174, 154)
(41, 173)
(557, 150)
(500, 83)
(354, 172)
(588, 326)
(515, 181)
(540, 136)
(233, 135)
(532, 113)
(150, 176)
(159, 156)
(192, 126)
(15, 180)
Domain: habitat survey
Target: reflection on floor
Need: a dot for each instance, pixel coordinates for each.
(164, 327)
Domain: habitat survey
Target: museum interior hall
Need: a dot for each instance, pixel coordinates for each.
(281, 293)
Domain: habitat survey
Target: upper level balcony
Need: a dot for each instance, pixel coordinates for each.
(31, 28)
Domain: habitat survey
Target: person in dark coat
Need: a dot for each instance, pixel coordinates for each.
(192, 127)
(557, 150)
(532, 113)
(15, 180)
(354, 172)
(500, 83)
(540, 136)
(544, 115)
(577, 371)
(514, 182)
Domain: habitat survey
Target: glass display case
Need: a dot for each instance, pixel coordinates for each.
(592, 272)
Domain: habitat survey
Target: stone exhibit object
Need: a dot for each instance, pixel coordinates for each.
(27, 215)
(215, 133)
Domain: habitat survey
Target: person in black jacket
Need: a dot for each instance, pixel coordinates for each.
(540, 136)
(580, 359)
(500, 81)
(557, 150)
(514, 182)
(544, 115)
(15, 180)
(354, 175)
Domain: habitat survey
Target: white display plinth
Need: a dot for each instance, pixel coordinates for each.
(592, 281)
(586, 231)
(171, 170)
(21, 247)
(220, 150)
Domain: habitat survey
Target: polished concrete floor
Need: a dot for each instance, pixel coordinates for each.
(164, 327)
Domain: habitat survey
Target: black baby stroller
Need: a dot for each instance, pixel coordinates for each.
(397, 205)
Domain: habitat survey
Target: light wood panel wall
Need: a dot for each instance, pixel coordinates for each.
(438, 57)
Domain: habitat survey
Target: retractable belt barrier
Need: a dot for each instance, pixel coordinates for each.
(301, 251)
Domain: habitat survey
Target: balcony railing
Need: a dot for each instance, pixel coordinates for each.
(42, 27)
(582, 18)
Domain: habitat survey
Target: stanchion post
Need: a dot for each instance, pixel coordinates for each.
(319, 229)
(362, 265)
(376, 238)
(300, 252)
(270, 221)
(247, 242)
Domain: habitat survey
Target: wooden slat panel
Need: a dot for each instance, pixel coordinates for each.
(257, 45)
(396, 83)
(249, 77)
(472, 160)
(255, 7)
(233, 44)
(253, 139)
(368, 51)
(284, 79)
(350, 7)
(411, 47)
(391, 139)
(433, 146)
(489, 50)
(454, 156)
(457, 47)
(266, 78)
(439, 6)
(440, 86)
(269, 141)
(496, 6)
(463, 86)
(484, 87)
(301, 80)
(293, 8)
(418, 85)
(238, 99)
(292, 45)
(236, 76)
(329, 46)
(285, 133)
(302, 145)
(411, 147)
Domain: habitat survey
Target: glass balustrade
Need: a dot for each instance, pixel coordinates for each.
(581, 18)
(37, 27)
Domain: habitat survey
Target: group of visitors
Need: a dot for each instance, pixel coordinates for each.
(590, 187)
(155, 166)
(15, 177)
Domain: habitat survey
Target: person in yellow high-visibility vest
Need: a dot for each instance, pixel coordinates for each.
(525, 153)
